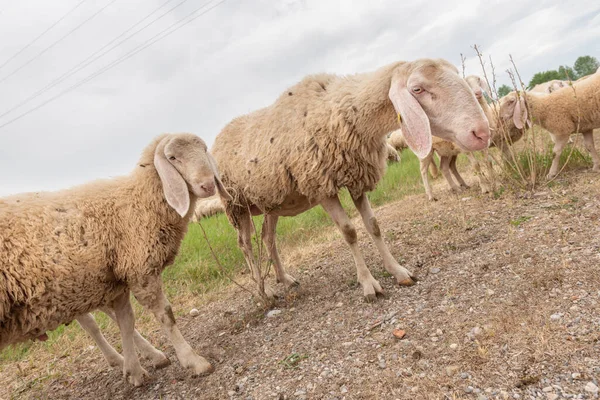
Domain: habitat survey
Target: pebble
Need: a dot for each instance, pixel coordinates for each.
(344, 389)
(434, 270)
(451, 370)
(194, 312)
(551, 396)
(490, 292)
(556, 317)
(548, 389)
(454, 346)
(482, 397)
(464, 375)
(576, 375)
(591, 388)
(273, 313)
(469, 389)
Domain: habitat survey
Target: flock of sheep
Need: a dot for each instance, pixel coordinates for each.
(68, 253)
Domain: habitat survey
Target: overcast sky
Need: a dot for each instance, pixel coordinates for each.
(234, 59)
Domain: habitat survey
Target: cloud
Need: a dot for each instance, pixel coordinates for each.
(237, 58)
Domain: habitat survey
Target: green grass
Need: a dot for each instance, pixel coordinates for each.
(195, 272)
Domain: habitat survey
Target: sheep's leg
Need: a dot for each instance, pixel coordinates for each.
(245, 229)
(269, 237)
(335, 210)
(459, 178)
(424, 164)
(132, 370)
(588, 141)
(88, 323)
(149, 352)
(402, 275)
(445, 167)
(433, 169)
(477, 167)
(559, 144)
(150, 295)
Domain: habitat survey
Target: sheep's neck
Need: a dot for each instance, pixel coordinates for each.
(371, 110)
(538, 108)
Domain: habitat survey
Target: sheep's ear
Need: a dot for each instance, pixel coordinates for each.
(520, 113)
(174, 186)
(485, 87)
(220, 187)
(415, 123)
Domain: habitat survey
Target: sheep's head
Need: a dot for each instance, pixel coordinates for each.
(186, 167)
(555, 85)
(432, 99)
(478, 86)
(513, 110)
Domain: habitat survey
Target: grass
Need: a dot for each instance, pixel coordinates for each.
(195, 272)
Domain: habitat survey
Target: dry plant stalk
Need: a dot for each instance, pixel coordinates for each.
(266, 301)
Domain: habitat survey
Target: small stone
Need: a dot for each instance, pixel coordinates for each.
(490, 292)
(454, 346)
(464, 375)
(548, 389)
(591, 388)
(194, 312)
(451, 370)
(343, 389)
(469, 389)
(399, 333)
(273, 313)
(556, 317)
(340, 304)
(482, 397)
(551, 396)
(439, 332)
(475, 332)
(434, 270)
(576, 375)
(434, 339)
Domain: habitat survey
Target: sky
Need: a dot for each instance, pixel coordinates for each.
(233, 59)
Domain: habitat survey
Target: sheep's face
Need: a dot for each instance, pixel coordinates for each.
(188, 154)
(432, 99)
(478, 85)
(185, 166)
(513, 111)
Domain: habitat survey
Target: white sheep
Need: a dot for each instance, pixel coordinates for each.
(550, 86)
(67, 253)
(569, 110)
(329, 132)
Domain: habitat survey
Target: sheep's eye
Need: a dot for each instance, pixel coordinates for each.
(417, 90)
(172, 158)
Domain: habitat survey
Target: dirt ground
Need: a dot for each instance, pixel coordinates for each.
(507, 307)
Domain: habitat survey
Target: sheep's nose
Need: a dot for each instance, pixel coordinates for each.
(482, 132)
(478, 93)
(208, 186)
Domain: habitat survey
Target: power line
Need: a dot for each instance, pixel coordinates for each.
(41, 34)
(143, 46)
(56, 42)
(90, 59)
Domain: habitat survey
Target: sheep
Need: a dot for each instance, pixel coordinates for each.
(569, 110)
(67, 253)
(208, 207)
(550, 86)
(329, 132)
(392, 154)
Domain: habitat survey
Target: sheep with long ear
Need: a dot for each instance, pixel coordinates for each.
(90, 246)
(329, 132)
(563, 112)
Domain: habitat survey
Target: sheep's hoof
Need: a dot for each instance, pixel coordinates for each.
(135, 376)
(203, 368)
(289, 281)
(433, 198)
(371, 288)
(406, 282)
(161, 363)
